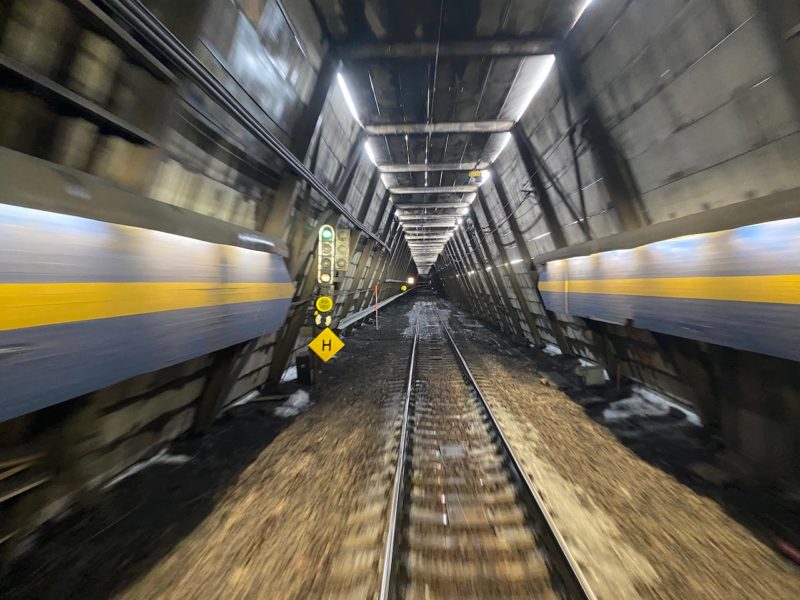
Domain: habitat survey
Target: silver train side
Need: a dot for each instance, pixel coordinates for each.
(112, 285)
(738, 288)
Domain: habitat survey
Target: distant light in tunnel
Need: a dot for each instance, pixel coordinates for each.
(348, 98)
(538, 82)
(410, 281)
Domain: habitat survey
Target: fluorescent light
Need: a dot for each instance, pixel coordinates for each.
(503, 144)
(515, 262)
(581, 11)
(348, 98)
(370, 153)
(538, 82)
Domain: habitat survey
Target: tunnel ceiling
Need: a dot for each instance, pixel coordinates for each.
(437, 85)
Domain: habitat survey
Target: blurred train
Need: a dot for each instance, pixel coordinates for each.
(114, 285)
(738, 288)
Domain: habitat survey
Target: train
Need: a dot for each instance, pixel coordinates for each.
(737, 287)
(99, 284)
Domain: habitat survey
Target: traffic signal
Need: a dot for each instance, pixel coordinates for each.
(327, 246)
(342, 259)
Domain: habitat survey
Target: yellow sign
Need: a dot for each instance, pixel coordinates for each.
(475, 173)
(326, 344)
(403, 288)
(324, 304)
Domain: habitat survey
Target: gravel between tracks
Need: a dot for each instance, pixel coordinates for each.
(636, 531)
(278, 532)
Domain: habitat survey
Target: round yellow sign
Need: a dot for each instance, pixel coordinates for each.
(324, 304)
(403, 288)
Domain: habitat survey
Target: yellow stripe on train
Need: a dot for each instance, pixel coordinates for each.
(37, 304)
(776, 289)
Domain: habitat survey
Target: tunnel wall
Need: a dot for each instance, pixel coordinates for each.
(697, 104)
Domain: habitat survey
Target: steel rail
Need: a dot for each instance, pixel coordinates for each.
(573, 576)
(155, 33)
(399, 477)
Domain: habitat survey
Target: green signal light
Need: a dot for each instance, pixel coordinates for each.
(326, 233)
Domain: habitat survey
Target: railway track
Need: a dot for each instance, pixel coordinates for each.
(464, 521)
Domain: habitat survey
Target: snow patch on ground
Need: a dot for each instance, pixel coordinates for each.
(646, 403)
(297, 403)
(552, 350)
(585, 362)
(417, 313)
(249, 397)
(289, 374)
(161, 458)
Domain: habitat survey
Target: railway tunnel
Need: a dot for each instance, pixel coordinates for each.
(381, 299)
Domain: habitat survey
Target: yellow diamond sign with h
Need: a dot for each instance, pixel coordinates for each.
(326, 344)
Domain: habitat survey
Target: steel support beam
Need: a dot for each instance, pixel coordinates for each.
(465, 293)
(623, 192)
(528, 152)
(427, 168)
(283, 202)
(527, 156)
(372, 276)
(453, 189)
(422, 206)
(512, 275)
(525, 255)
(438, 222)
(493, 306)
(434, 128)
(426, 217)
(427, 225)
(512, 47)
(471, 271)
(782, 20)
(358, 275)
(472, 295)
(419, 212)
(510, 312)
